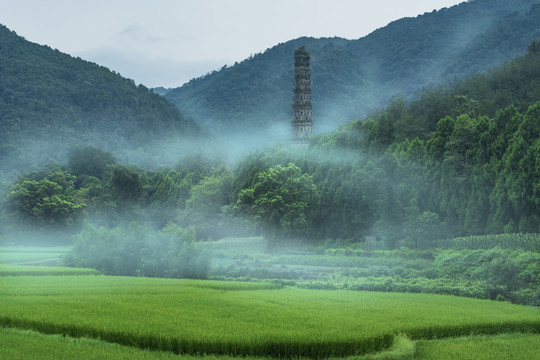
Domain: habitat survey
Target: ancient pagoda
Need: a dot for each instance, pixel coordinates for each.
(302, 123)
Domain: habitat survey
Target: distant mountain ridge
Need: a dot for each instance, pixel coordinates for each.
(352, 77)
(51, 102)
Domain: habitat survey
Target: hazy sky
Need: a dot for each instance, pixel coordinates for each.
(169, 42)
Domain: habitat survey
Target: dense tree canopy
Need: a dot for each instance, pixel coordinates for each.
(51, 201)
(90, 161)
(450, 163)
(281, 199)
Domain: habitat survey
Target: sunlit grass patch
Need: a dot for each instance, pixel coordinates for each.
(193, 317)
(501, 347)
(30, 345)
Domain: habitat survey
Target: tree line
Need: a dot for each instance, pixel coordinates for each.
(459, 160)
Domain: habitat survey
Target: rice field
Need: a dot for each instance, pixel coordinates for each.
(501, 347)
(36, 261)
(25, 345)
(69, 313)
(245, 319)
(28, 345)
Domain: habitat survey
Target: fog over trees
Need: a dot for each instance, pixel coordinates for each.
(137, 188)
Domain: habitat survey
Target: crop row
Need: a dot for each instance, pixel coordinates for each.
(194, 318)
(505, 346)
(530, 242)
(24, 344)
(285, 347)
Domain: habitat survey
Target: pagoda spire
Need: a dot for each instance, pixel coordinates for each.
(302, 123)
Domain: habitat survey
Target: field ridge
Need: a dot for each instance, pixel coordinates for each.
(278, 349)
(177, 345)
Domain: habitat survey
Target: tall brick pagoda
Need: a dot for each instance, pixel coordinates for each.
(302, 123)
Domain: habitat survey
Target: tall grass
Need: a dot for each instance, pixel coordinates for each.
(506, 346)
(193, 317)
(24, 344)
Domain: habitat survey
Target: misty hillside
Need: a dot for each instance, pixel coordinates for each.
(352, 77)
(460, 160)
(51, 102)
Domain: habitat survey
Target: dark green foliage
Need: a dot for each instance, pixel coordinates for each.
(280, 199)
(51, 102)
(471, 171)
(208, 208)
(90, 161)
(126, 185)
(46, 202)
(504, 274)
(197, 193)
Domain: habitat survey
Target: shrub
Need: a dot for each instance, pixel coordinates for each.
(136, 250)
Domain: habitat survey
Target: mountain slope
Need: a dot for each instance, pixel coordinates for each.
(459, 160)
(52, 101)
(351, 77)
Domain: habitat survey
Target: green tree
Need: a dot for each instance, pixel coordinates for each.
(534, 47)
(280, 200)
(520, 172)
(205, 207)
(90, 161)
(125, 184)
(437, 144)
(51, 201)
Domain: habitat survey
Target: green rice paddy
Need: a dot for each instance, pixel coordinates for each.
(36, 261)
(245, 319)
(68, 313)
(500, 347)
(25, 345)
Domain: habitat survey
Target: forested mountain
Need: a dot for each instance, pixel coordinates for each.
(51, 102)
(352, 77)
(461, 159)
